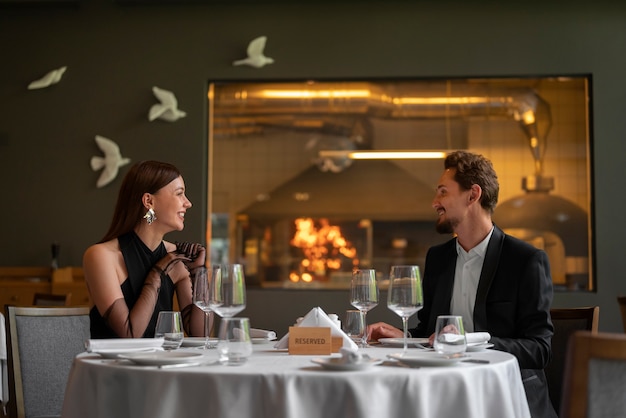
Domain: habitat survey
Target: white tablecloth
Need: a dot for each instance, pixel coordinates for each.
(275, 384)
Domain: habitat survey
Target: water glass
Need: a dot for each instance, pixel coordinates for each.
(169, 326)
(450, 335)
(234, 345)
(354, 325)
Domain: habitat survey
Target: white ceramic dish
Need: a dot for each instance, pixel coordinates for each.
(478, 346)
(426, 359)
(198, 342)
(261, 340)
(338, 364)
(163, 358)
(399, 342)
(118, 352)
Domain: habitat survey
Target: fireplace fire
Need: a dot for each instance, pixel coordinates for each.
(324, 248)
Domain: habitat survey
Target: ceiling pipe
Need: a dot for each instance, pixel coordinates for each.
(238, 107)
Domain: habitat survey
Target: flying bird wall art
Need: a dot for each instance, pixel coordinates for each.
(256, 57)
(167, 109)
(49, 79)
(111, 162)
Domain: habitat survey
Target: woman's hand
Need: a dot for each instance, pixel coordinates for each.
(172, 265)
(195, 254)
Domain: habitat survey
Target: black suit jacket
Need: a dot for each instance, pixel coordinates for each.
(513, 303)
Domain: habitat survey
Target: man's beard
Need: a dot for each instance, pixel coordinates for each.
(445, 227)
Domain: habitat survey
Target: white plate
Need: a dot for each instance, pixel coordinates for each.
(198, 342)
(118, 353)
(261, 340)
(399, 342)
(427, 358)
(479, 346)
(162, 358)
(337, 363)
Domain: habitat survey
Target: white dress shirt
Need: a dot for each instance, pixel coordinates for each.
(469, 265)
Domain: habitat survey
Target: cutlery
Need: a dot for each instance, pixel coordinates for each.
(424, 347)
(177, 366)
(475, 360)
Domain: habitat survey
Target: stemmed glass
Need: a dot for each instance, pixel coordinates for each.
(364, 295)
(404, 296)
(227, 296)
(202, 279)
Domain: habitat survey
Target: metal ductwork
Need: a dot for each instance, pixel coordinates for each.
(337, 107)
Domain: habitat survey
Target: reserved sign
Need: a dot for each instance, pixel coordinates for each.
(312, 341)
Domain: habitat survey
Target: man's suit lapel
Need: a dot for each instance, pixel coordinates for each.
(492, 257)
(442, 297)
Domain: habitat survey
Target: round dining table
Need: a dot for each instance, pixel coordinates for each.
(275, 384)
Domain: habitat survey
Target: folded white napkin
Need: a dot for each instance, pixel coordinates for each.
(122, 344)
(318, 318)
(477, 337)
(352, 356)
(261, 333)
(450, 338)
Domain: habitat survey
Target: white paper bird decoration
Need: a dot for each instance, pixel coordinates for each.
(167, 109)
(255, 57)
(52, 77)
(111, 161)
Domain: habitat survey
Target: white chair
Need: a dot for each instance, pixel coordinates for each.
(4, 372)
(42, 344)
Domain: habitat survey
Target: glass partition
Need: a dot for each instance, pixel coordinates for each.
(300, 194)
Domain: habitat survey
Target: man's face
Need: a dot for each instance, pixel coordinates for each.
(450, 202)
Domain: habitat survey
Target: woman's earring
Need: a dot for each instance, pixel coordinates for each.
(150, 216)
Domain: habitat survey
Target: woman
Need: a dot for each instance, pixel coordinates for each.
(132, 273)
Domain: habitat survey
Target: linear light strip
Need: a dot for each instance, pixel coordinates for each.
(383, 155)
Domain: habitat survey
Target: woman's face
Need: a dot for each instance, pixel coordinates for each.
(171, 204)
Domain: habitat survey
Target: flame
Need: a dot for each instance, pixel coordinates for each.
(322, 247)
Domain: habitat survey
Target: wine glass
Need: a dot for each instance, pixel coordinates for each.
(227, 295)
(202, 279)
(404, 296)
(364, 295)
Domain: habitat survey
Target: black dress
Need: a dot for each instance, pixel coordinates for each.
(139, 259)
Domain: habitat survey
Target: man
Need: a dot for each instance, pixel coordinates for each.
(497, 283)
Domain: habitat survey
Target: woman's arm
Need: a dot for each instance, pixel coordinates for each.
(193, 317)
(105, 271)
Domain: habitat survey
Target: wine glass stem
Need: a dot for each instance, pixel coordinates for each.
(404, 328)
(206, 329)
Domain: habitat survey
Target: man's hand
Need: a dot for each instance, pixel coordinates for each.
(382, 330)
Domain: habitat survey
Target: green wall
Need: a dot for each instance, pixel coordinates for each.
(116, 52)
